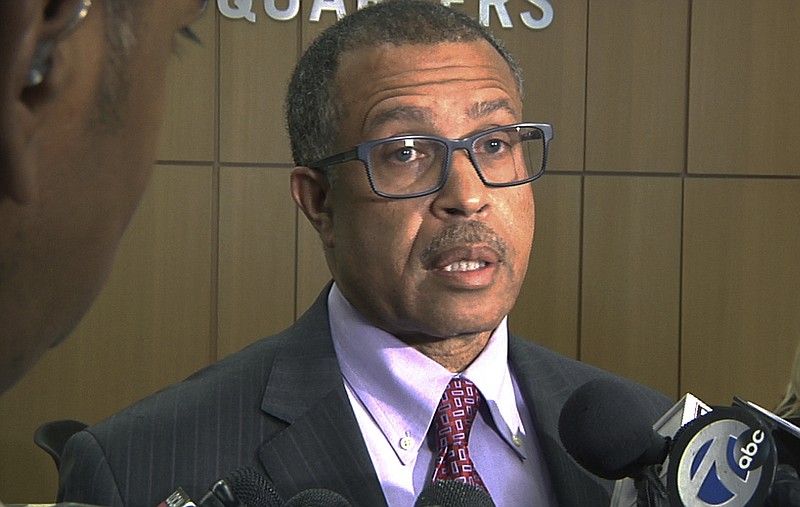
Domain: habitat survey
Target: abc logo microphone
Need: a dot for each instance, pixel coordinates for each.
(725, 457)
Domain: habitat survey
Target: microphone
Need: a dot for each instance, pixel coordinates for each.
(244, 487)
(317, 498)
(252, 488)
(726, 456)
(453, 494)
(633, 449)
(785, 489)
(584, 423)
(722, 456)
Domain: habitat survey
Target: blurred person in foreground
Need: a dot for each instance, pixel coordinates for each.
(414, 165)
(786, 490)
(789, 406)
(81, 99)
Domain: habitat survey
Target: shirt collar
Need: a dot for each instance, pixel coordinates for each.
(401, 388)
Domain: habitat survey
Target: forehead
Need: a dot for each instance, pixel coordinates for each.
(424, 82)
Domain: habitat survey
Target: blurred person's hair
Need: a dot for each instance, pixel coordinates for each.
(790, 405)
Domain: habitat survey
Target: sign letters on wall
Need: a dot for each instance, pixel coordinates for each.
(539, 18)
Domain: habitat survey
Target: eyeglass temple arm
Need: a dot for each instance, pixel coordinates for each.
(341, 158)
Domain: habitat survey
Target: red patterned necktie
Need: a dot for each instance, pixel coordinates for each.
(452, 424)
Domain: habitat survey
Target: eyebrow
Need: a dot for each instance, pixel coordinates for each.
(483, 109)
(401, 113)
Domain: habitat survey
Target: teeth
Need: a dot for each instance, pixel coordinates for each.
(465, 266)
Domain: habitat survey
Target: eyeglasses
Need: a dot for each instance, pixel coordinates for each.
(407, 166)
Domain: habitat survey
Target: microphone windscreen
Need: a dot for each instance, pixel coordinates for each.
(602, 428)
(453, 494)
(785, 490)
(317, 498)
(252, 488)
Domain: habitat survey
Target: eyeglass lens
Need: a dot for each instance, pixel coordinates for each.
(417, 164)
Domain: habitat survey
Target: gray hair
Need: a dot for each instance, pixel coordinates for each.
(312, 110)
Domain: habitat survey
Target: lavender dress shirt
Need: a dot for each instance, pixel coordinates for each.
(394, 391)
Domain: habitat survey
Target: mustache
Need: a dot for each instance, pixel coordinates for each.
(460, 233)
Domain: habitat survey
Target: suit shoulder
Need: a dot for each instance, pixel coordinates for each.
(560, 373)
(240, 376)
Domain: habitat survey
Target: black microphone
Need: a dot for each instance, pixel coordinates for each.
(785, 488)
(253, 489)
(602, 430)
(244, 487)
(725, 457)
(453, 494)
(601, 427)
(317, 498)
(247, 487)
(722, 456)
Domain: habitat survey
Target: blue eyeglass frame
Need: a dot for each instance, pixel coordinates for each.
(361, 152)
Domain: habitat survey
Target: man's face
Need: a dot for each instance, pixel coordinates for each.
(446, 264)
(93, 137)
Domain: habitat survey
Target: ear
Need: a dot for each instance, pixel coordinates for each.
(17, 42)
(311, 190)
(31, 30)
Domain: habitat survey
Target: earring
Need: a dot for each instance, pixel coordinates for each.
(42, 56)
(40, 65)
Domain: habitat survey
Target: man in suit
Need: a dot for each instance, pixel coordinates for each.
(81, 93)
(414, 166)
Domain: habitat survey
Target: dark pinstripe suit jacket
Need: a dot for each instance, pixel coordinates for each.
(280, 405)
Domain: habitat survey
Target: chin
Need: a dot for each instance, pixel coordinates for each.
(468, 315)
(457, 326)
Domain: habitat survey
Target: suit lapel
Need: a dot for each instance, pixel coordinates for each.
(546, 386)
(316, 442)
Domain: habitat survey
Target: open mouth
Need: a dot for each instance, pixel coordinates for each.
(464, 266)
(464, 259)
(463, 248)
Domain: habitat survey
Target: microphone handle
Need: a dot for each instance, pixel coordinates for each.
(650, 491)
(220, 495)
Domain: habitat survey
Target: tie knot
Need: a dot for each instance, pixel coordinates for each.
(457, 410)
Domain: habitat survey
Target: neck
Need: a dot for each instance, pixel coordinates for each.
(454, 353)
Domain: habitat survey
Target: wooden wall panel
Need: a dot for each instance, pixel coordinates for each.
(631, 278)
(744, 108)
(256, 60)
(256, 255)
(636, 91)
(741, 278)
(547, 308)
(554, 63)
(148, 328)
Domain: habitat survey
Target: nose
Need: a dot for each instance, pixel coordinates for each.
(463, 194)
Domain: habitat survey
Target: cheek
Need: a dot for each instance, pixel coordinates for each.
(382, 235)
(519, 215)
